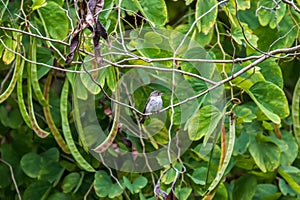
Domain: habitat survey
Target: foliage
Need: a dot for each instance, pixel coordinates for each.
(230, 124)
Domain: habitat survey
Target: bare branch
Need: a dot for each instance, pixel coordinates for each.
(291, 3)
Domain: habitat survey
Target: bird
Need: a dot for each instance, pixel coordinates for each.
(153, 104)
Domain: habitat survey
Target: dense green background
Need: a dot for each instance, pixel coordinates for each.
(49, 159)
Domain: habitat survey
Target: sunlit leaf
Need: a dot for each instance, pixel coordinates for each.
(56, 20)
(291, 175)
(272, 72)
(38, 4)
(9, 56)
(155, 11)
(270, 99)
(243, 4)
(244, 114)
(207, 20)
(204, 122)
(266, 13)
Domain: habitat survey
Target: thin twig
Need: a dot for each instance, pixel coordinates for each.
(12, 177)
(88, 191)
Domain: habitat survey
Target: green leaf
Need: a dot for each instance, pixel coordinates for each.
(137, 185)
(9, 56)
(243, 4)
(104, 186)
(156, 131)
(70, 182)
(244, 188)
(188, 2)
(38, 4)
(10, 119)
(270, 99)
(55, 20)
(272, 72)
(221, 192)
(115, 191)
(59, 2)
(104, 14)
(265, 154)
(266, 191)
(155, 10)
(5, 176)
(206, 23)
(241, 144)
(247, 79)
(169, 176)
(199, 176)
(102, 183)
(267, 40)
(60, 196)
(291, 175)
(201, 38)
(31, 164)
(204, 122)
(288, 155)
(45, 167)
(51, 155)
(266, 16)
(148, 49)
(51, 172)
(206, 70)
(244, 114)
(238, 36)
(37, 190)
(285, 188)
(130, 5)
(183, 193)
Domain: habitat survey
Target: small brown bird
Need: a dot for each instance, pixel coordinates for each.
(153, 105)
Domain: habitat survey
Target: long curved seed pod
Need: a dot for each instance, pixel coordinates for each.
(78, 121)
(226, 160)
(34, 78)
(67, 132)
(40, 132)
(114, 130)
(21, 103)
(59, 139)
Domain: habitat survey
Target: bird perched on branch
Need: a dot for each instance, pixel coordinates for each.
(153, 105)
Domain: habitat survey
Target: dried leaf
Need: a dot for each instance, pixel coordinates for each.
(89, 19)
(171, 196)
(73, 46)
